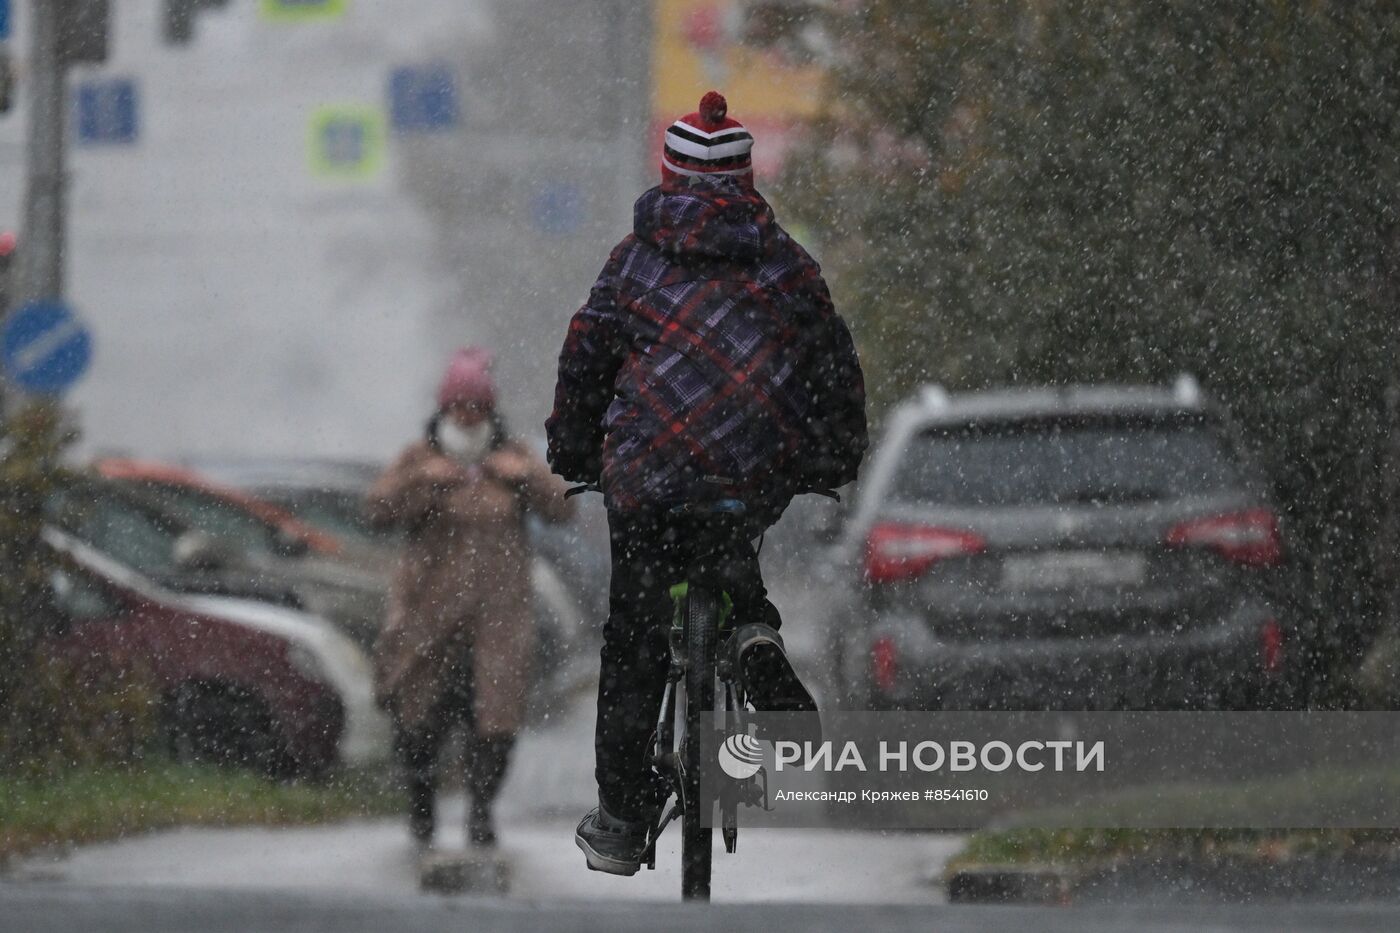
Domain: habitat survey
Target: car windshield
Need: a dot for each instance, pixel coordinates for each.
(139, 537)
(1060, 461)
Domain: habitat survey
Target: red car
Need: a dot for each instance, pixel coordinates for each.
(294, 531)
(260, 695)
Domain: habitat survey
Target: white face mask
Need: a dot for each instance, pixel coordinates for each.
(465, 445)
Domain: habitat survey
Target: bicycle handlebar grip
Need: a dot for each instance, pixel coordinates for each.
(580, 490)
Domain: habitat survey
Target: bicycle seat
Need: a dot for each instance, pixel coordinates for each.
(717, 507)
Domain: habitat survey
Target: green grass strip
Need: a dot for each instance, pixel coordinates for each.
(1346, 790)
(91, 805)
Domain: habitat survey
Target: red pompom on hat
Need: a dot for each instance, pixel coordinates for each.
(712, 108)
(468, 379)
(707, 142)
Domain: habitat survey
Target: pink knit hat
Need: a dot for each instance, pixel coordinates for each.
(468, 379)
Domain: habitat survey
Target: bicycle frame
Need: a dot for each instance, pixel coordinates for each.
(666, 754)
(701, 599)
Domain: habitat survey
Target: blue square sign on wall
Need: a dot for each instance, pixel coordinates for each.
(106, 111)
(423, 98)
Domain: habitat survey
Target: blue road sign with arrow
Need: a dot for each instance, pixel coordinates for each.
(44, 348)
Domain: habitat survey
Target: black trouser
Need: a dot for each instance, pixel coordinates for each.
(649, 555)
(419, 749)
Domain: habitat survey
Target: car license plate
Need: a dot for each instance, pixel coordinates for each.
(1059, 570)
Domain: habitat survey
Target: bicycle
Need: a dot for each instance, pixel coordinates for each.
(699, 669)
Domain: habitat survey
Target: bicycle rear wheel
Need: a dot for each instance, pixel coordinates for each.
(702, 620)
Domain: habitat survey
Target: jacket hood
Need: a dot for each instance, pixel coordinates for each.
(718, 218)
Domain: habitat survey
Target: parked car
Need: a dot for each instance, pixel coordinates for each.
(268, 520)
(1080, 548)
(240, 682)
(330, 580)
(128, 523)
(130, 526)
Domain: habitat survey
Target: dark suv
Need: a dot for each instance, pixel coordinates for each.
(1084, 548)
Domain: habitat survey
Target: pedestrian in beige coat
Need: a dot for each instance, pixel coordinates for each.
(459, 642)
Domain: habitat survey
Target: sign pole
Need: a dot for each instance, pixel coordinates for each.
(41, 256)
(40, 273)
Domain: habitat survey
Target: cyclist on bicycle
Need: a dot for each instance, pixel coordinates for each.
(708, 363)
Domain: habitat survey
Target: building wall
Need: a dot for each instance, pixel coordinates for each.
(242, 304)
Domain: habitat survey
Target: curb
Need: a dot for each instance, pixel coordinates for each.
(1010, 884)
(1345, 877)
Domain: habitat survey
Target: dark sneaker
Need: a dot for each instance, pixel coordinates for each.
(772, 686)
(771, 683)
(610, 844)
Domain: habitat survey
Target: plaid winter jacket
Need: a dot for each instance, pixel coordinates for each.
(708, 362)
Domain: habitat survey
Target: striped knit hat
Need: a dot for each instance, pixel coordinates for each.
(706, 142)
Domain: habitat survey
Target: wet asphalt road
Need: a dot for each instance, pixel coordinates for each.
(64, 909)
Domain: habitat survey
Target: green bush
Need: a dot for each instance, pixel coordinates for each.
(53, 714)
(1060, 191)
(66, 717)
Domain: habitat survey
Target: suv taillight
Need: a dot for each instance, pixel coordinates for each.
(1250, 537)
(1271, 646)
(884, 664)
(895, 552)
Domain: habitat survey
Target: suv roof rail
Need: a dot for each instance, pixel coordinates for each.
(933, 395)
(1187, 390)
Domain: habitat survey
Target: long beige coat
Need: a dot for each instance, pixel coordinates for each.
(461, 593)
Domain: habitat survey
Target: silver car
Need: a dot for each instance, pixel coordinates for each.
(1077, 548)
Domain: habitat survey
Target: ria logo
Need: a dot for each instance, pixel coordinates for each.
(741, 757)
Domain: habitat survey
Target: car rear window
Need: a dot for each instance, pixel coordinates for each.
(1060, 461)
